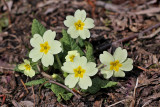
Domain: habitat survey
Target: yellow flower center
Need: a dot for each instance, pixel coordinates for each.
(79, 72)
(45, 47)
(79, 25)
(115, 65)
(71, 57)
(27, 66)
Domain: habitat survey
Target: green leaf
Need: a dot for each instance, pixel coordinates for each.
(109, 84)
(98, 83)
(47, 85)
(69, 43)
(37, 28)
(35, 82)
(57, 89)
(81, 42)
(60, 92)
(89, 52)
(59, 99)
(67, 96)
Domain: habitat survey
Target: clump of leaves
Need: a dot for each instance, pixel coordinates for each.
(98, 83)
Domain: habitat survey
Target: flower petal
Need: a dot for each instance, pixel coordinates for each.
(80, 60)
(35, 54)
(71, 80)
(26, 72)
(36, 41)
(55, 47)
(73, 32)
(68, 67)
(84, 33)
(30, 73)
(85, 82)
(106, 58)
(70, 20)
(89, 23)
(80, 15)
(120, 54)
(91, 69)
(119, 73)
(47, 59)
(107, 73)
(127, 65)
(21, 66)
(26, 61)
(49, 36)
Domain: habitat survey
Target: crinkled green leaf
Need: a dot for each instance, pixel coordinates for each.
(109, 84)
(37, 28)
(60, 92)
(57, 89)
(55, 65)
(67, 96)
(59, 99)
(81, 42)
(48, 85)
(35, 82)
(89, 52)
(69, 43)
(98, 83)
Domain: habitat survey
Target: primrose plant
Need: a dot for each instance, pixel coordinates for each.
(73, 57)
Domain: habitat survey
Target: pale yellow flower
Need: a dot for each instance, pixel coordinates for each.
(79, 72)
(71, 55)
(27, 68)
(79, 24)
(44, 48)
(116, 64)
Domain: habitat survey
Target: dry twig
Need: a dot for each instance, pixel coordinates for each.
(61, 85)
(116, 103)
(24, 86)
(151, 35)
(109, 6)
(54, 82)
(134, 95)
(48, 77)
(34, 96)
(127, 38)
(148, 11)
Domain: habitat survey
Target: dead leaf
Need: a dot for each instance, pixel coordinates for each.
(26, 104)
(98, 103)
(9, 3)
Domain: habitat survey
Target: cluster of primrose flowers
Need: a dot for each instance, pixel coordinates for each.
(78, 68)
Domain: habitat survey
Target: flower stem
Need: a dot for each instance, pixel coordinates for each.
(59, 62)
(77, 40)
(100, 66)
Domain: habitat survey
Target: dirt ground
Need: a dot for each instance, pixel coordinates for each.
(131, 24)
